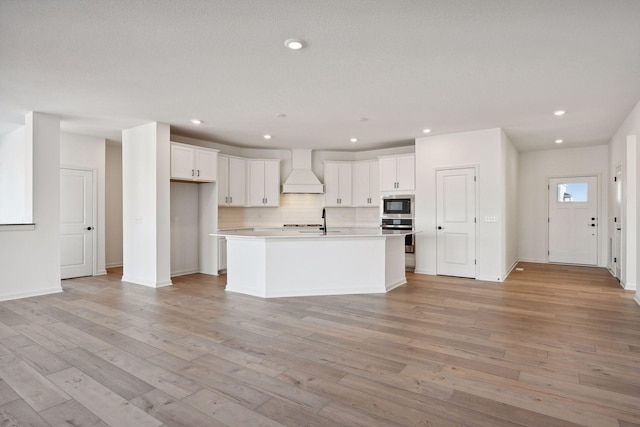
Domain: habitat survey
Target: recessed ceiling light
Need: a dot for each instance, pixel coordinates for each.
(354, 140)
(267, 136)
(281, 115)
(426, 130)
(295, 44)
(560, 112)
(196, 121)
(559, 141)
(364, 119)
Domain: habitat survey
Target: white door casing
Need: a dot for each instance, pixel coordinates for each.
(76, 223)
(456, 222)
(573, 220)
(617, 224)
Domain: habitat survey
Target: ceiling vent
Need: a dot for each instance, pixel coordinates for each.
(302, 179)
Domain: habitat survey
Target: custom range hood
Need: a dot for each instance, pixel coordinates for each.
(301, 179)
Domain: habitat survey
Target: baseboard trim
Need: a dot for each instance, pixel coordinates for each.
(20, 295)
(135, 281)
(534, 260)
(427, 272)
(637, 298)
(114, 265)
(184, 272)
(513, 266)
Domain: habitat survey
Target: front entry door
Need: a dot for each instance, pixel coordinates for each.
(573, 220)
(456, 222)
(76, 223)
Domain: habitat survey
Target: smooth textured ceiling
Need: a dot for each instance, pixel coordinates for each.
(448, 65)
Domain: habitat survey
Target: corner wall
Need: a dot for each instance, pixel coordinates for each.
(510, 212)
(15, 179)
(467, 149)
(113, 204)
(30, 259)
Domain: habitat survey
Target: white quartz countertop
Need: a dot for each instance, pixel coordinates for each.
(332, 232)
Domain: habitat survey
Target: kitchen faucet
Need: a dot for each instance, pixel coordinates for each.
(324, 221)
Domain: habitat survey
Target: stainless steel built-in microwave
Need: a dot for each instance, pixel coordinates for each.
(397, 207)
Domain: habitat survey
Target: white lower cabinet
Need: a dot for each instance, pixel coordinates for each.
(338, 184)
(222, 254)
(263, 182)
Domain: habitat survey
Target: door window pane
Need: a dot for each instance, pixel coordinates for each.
(573, 192)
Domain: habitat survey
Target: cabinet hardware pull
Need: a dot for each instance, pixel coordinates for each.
(192, 172)
(230, 199)
(198, 172)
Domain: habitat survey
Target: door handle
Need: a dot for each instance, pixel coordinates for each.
(89, 228)
(440, 228)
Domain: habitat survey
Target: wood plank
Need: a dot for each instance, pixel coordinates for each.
(35, 355)
(71, 413)
(29, 384)
(107, 374)
(172, 412)
(104, 403)
(19, 413)
(172, 384)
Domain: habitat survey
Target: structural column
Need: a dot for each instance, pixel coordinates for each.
(146, 205)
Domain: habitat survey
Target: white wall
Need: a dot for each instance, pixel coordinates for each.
(30, 259)
(536, 167)
(88, 153)
(184, 228)
(113, 204)
(621, 148)
(15, 178)
(510, 179)
(479, 148)
(145, 205)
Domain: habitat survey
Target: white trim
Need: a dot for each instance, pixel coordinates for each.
(637, 298)
(427, 272)
(510, 270)
(141, 282)
(185, 272)
(19, 295)
(534, 260)
(17, 227)
(114, 264)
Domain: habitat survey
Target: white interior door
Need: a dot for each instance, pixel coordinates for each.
(456, 222)
(573, 220)
(617, 224)
(76, 223)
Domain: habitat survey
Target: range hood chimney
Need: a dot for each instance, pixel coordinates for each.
(301, 179)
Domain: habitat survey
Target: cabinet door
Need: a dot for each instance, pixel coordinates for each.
(237, 182)
(374, 184)
(346, 185)
(361, 180)
(256, 182)
(223, 180)
(388, 174)
(272, 183)
(206, 165)
(405, 172)
(331, 184)
(182, 159)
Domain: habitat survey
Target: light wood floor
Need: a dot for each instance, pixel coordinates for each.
(551, 346)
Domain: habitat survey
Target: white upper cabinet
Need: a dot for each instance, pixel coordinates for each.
(190, 163)
(232, 181)
(366, 177)
(397, 173)
(264, 182)
(338, 184)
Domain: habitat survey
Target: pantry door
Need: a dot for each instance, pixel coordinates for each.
(76, 223)
(456, 222)
(573, 220)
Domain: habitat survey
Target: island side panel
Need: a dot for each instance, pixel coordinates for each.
(395, 271)
(325, 266)
(246, 266)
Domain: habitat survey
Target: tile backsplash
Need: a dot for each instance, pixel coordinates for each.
(297, 209)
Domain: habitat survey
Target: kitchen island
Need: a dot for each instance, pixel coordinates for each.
(274, 262)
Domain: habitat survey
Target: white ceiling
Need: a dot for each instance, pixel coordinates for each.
(449, 65)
